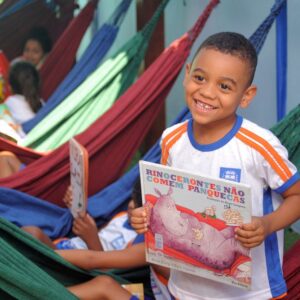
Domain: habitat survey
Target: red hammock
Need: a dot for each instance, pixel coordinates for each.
(4, 86)
(62, 56)
(15, 27)
(26, 155)
(291, 270)
(113, 139)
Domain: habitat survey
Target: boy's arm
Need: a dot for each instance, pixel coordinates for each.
(254, 233)
(131, 257)
(86, 228)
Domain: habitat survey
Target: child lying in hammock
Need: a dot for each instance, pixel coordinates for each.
(120, 252)
(9, 162)
(105, 287)
(115, 235)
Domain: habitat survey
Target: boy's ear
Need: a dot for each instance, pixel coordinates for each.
(248, 96)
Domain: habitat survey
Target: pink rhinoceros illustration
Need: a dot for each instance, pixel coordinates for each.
(199, 240)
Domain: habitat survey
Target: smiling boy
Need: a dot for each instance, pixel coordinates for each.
(219, 143)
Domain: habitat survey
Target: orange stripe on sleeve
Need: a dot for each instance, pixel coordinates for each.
(170, 140)
(280, 297)
(274, 153)
(265, 154)
(172, 133)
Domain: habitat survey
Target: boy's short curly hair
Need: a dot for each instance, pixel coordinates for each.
(235, 44)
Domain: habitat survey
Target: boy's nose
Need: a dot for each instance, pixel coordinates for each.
(208, 91)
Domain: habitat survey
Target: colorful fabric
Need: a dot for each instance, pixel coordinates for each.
(95, 95)
(31, 271)
(115, 130)
(23, 209)
(37, 13)
(62, 57)
(99, 46)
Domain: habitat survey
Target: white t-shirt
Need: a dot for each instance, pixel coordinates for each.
(247, 154)
(19, 108)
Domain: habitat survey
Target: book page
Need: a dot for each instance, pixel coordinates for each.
(79, 177)
(191, 223)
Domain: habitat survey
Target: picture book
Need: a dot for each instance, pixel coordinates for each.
(79, 166)
(191, 221)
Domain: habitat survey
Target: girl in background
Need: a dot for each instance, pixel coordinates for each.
(25, 84)
(36, 47)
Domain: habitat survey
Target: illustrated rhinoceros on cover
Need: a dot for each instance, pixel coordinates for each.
(199, 240)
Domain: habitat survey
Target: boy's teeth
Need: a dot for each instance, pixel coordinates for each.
(205, 106)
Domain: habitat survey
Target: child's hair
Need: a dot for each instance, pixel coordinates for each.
(39, 34)
(235, 44)
(137, 194)
(24, 80)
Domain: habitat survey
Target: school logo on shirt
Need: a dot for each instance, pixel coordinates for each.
(230, 174)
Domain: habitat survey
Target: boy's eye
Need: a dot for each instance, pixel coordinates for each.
(199, 77)
(225, 86)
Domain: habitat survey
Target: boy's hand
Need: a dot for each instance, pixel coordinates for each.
(85, 227)
(139, 220)
(68, 197)
(253, 234)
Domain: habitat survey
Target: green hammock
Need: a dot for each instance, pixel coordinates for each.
(30, 270)
(288, 131)
(95, 95)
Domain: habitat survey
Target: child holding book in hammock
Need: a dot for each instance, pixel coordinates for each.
(120, 254)
(117, 234)
(219, 143)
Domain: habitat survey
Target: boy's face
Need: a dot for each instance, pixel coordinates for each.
(216, 84)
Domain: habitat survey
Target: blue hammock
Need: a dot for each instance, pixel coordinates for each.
(15, 7)
(23, 209)
(99, 46)
(23, 3)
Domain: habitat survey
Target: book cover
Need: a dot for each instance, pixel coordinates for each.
(79, 165)
(192, 219)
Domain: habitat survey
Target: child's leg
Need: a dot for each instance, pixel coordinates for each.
(9, 164)
(101, 287)
(40, 235)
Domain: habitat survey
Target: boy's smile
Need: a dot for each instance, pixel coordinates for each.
(216, 84)
(202, 106)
